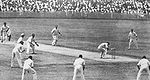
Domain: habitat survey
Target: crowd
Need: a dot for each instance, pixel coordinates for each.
(86, 6)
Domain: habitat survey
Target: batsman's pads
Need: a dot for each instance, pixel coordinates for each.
(31, 44)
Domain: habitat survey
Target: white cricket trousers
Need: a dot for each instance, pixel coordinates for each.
(133, 41)
(3, 36)
(78, 69)
(103, 52)
(140, 72)
(55, 39)
(34, 74)
(18, 57)
(28, 47)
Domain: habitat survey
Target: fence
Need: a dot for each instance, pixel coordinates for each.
(70, 15)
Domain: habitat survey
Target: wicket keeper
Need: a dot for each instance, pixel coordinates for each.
(28, 67)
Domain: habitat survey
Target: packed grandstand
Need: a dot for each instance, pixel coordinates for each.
(86, 6)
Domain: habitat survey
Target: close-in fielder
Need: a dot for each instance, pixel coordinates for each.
(17, 53)
(132, 37)
(79, 66)
(55, 34)
(143, 64)
(103, 48)
(31, 43)
(21, 38)
(5, 33)
(27, 67)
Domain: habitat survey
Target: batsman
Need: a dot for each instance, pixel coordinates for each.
(31, 43)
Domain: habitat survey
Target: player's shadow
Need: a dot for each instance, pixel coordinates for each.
(34, 54)
(16, 67)
(108, 58)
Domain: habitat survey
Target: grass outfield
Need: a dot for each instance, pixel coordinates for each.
(81, 34)
(86, 34)
(51, 66)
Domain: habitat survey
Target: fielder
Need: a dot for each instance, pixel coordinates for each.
(103, 48)
(17, 53)
(143, 64)
(132, 37)
(79, 66)
(5, 33)
(28, 66)
(55, 34)
(21, 38)
(31, 43)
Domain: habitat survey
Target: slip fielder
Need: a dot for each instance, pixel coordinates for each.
(132, 37)
(79, 66)
(55, 34)
(31, 43)
(17, 53)
(5, 32)
(143, 64)
(27, 67)
(103, 48)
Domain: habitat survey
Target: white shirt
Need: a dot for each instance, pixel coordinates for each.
(103, 45)
(132, 35)
(55, 32)
(19, 40)
(29, 39)
(28, 64)
(144, 63)
(79, 62)
(5, 28)
(18, 48)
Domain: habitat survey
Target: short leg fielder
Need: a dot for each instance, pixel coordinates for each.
(27, 67)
